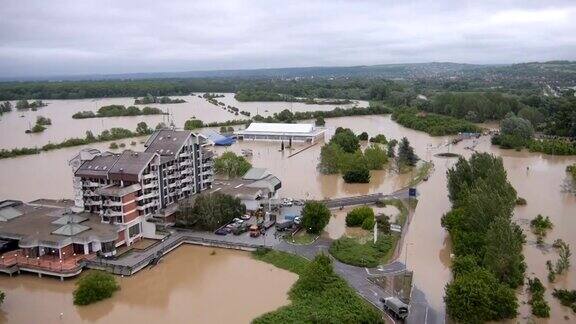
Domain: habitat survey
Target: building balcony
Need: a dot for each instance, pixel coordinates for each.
(149, 195)
(153, 203)
(90, 202)
(174, 184)
(45, 264)
(185, 154)
(151, 184)
(110, 203)
(207, 180)
(185, 163)
(111, 213)
(186, 171)
(151, 175)
(172, 167)
(91, 184)
(187, 180)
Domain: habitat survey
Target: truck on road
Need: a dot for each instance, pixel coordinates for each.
(395, 306)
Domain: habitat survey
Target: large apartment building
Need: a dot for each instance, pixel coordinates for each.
(129, 188)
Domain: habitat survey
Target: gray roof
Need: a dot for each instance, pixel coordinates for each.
(118, 191)
(36, 227)
(8, 213)
(97, 167)
(72, 218)
(129, 165)
(255, 174)
(70, 229)
(167, 143)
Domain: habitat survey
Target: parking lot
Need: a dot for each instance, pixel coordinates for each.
(263, 229)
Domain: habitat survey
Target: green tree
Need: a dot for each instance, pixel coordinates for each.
(330, 158)
(503, 255)
(5, 107)
(2, 297)
(363, 136)
(320, 121)
(285, 116)
(391, 148)
(356, 216)
(231, 165)
(406, 154)
(143, 129)
(375, 157)
(380, 138)
(209, 211)
(478, 297)
(346, 140)
(160, 125)
(22, 104)
(94, 286)
(359, 175)
(315, 216)
(192, 124)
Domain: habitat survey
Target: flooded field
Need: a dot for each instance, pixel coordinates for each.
(536, 177)
(14, 124)
(190, 286)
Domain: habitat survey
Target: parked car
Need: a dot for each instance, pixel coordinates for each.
(297, 220)
(221, 231)
(285, 225)
(245, 217)
(287, 202)
(243, 228)
(299, 202)
(254, 231)
(237, 220)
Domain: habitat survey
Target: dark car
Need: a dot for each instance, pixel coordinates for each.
(243, 228)
(221, 231)
(284, 225)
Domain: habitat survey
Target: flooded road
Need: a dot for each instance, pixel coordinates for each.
(14, 124)
(536, 177)
(189, 286)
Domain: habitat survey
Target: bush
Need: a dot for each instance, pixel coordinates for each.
(357, 216)
(192, 124)
(231, 165)
(380, 138)
(361, 175)
(315, 216)
(113, 146)
(368, 224)
(2, 297)
(93, 287)
(521, 201)
(540, 307)
(363, 136)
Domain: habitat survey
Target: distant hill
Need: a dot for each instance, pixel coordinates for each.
(555, 72)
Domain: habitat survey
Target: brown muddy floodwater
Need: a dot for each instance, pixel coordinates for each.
(14, 124)
(536, 177)
(189, 286)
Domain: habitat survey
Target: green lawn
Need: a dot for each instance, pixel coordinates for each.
(303, 238)
(352, 251)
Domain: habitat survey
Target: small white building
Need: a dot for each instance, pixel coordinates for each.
(282, 132)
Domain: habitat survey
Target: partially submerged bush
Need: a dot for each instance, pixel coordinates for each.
(94, 286)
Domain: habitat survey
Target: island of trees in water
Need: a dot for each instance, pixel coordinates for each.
(118, 111)
(150, 99)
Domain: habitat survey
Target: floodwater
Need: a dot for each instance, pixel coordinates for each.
(189, 286)
(14, 124)
(536, 177)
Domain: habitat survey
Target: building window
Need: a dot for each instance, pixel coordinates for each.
(134, 230)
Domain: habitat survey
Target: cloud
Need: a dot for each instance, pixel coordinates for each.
(40, 38)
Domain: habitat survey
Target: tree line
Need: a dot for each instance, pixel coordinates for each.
(118, 111)
(488, 264)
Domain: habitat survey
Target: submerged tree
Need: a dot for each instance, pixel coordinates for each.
(406, 155)
(231, 165)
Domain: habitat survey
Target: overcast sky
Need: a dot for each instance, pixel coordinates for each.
(40, 37)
